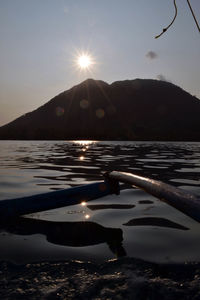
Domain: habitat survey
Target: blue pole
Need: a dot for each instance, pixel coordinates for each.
(51, 200)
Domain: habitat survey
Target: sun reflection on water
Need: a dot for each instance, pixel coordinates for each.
(85, 143)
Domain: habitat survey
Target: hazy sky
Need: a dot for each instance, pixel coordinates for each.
(41, 39)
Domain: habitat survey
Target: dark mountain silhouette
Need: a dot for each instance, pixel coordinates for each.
(140, 109)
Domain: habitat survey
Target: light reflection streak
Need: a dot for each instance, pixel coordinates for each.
(85, 143)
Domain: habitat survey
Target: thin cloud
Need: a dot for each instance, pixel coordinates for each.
(161, 77)
(151, 55)
(66, 10)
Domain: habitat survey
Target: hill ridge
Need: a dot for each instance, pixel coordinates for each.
(132, 109)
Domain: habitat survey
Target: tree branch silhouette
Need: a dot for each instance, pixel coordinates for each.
(166, 28)
(176, 12)
(194, 17)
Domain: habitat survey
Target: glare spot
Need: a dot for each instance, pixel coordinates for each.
(100, 113)
(81, 157)
(84, 103)
(83, 203)
(87, 216)
(59, 111)
(84, 61)
(85, 143)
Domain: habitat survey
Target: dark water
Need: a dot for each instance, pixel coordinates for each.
(134, 224)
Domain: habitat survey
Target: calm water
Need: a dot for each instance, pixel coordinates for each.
(151, 230)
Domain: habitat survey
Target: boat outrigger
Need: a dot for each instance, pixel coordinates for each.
(184, 201)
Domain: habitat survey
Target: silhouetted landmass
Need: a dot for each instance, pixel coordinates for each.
(140, 109)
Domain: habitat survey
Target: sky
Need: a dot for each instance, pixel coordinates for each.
(41, 40)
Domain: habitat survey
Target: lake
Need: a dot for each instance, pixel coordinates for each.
(133, 224)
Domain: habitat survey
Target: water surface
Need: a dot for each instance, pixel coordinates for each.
(133, 224)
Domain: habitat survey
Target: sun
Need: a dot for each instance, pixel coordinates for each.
(84, 61)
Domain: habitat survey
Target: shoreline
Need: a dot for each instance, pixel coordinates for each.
(125, 278)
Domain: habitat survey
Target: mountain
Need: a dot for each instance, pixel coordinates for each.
(140, 109)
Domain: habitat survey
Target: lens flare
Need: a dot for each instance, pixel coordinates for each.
(84, 61)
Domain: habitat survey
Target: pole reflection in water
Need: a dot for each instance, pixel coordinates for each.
(152, 221)
(75, 234)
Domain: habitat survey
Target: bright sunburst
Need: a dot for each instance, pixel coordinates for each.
(84, 61)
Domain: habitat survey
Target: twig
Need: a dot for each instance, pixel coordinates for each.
(193, 15)
(166, 28)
